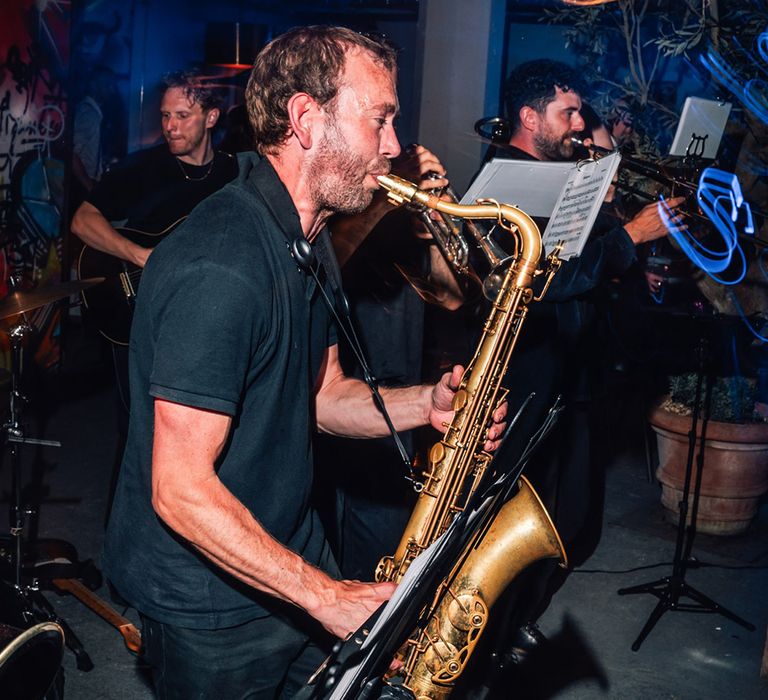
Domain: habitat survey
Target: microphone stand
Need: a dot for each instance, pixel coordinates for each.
(670, 589)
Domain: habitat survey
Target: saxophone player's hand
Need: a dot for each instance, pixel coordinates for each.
(441, 410)
(346, 605)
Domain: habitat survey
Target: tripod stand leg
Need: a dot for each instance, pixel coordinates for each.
(661, 607)
(667, 590)
(710, 605)
(643, 587)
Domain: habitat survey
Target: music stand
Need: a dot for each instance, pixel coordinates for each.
(700, 129)
(670, 589)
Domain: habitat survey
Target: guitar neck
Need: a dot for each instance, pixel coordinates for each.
(85, 595)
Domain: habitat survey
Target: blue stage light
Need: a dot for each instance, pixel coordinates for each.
(720, 197)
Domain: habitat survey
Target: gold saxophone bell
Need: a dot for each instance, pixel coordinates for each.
(520, 534)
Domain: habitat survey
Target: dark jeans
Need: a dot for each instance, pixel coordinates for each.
(265, 658)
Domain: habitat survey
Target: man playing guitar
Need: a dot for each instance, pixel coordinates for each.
(148, 192)
(152, 189)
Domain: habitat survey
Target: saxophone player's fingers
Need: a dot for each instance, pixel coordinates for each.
(496, 429)
(493, 437)
(456, 374)
(501, 412)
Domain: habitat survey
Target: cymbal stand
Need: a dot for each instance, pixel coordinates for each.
(670, 589)
(32, 600)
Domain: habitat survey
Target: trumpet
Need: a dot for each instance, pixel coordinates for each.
(452, 243)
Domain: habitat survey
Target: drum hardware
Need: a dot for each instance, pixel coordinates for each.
(34, 615)
(19, 302)
(30, 654)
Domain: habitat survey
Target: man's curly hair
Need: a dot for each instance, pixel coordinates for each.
(532, 84)
(304, 59)
(193, 87)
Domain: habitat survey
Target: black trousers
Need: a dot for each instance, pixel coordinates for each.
(269, 657)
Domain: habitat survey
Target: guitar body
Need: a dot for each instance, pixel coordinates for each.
(110, 304)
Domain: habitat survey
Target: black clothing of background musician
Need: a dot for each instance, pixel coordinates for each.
(268, 334)
(555, 356)
(152, 189)
(365, 498)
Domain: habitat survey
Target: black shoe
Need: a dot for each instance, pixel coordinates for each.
(526, 639)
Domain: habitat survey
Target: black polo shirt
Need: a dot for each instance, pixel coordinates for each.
(226, 323)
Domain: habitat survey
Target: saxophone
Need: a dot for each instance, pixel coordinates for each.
(522, 532)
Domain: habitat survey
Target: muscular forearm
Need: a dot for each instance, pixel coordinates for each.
(346, 407)
(94, 230)
(207, 515)
(189, 497)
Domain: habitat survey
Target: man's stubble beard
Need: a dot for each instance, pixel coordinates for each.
(190, 147)
(552, 147)
(338, 176)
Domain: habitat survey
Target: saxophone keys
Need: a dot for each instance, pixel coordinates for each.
(459, 399)
(437, 453)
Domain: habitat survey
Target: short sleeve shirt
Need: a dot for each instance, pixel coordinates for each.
(225, 323)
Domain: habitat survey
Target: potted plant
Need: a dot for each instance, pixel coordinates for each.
(735, 464)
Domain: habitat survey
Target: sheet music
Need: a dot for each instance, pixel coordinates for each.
(577, 206)
(531, 185)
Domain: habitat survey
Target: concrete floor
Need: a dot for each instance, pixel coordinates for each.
(687, 656)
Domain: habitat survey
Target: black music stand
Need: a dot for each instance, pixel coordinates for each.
(670, 589)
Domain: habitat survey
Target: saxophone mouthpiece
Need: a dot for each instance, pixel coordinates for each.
(399, 190)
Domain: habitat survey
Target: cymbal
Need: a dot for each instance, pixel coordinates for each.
(28, 299)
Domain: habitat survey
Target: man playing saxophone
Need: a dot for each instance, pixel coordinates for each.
(234, 364)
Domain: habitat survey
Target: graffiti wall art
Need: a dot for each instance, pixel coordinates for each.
(34, 41)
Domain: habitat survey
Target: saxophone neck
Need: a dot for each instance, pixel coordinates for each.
(508, 217)
(530, 244)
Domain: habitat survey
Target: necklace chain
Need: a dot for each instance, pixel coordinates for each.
(188, 177)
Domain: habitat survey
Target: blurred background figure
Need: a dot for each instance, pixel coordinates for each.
(89, 131)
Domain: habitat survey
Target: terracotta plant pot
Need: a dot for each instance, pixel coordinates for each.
(734, 475)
